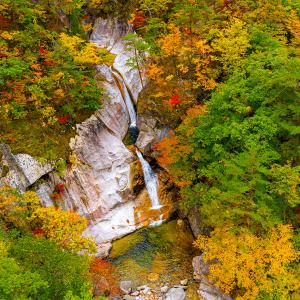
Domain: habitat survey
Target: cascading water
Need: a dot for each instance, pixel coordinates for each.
(151, 181)
(127, 99)
(150, 177)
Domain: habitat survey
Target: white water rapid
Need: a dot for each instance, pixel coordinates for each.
(150, 177)
(151, 181)
(127, 99)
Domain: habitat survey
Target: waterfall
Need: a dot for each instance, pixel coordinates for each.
(127, 99)
(151, 181)
(150, 177)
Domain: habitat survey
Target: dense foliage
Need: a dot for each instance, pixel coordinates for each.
(47, 79)
(39, 249)
(225, 76)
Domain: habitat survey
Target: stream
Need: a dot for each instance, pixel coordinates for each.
(150, 178)
(162, 253)
(155, 256)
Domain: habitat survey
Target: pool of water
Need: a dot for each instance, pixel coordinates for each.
(155, 256)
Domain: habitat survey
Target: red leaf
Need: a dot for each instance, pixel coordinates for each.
(63, 120)
(39, 232)
(174, 100)
(60, 187)
(49, 62)
(43, 51)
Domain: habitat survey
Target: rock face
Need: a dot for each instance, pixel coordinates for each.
(22, 170)
(98, 185)
(99, 180)
(149, 134)
(195, 221)
(108, 33)
(207, 291)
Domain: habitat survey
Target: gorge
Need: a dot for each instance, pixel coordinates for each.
(149, 150)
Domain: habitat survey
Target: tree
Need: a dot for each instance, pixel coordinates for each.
(15, 282)
(23, 211)
(154, 7)
(250, 266)
(235, 148)
(63, 271)
(65, 228)
(138, 47)
(231, 44)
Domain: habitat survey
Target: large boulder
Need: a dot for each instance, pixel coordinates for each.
(149, 133)
(175, 293)
(21, 170)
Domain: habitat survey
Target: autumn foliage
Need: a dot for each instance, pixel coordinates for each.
(138, 19)
(251, 265)
(104, 281)
(25, 213)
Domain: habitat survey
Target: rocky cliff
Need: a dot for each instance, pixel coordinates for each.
(98, 184)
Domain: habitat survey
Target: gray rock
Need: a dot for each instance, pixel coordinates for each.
(125, 286)
(207, 291)
(23, 169)
(175, 294)
(109, 33)
(149, 134)
(164, 289)
(195, 221)
(103, 249)
(44, 190)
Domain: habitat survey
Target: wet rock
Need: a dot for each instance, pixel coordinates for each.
(184, 282)
(125, 286)
(109, 33)
(175, 294)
